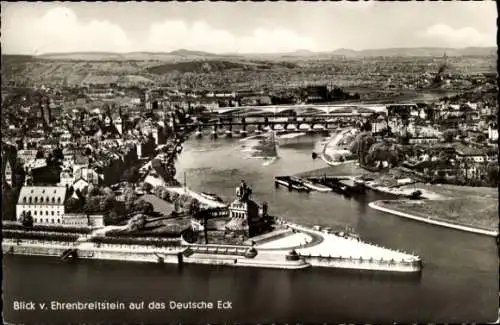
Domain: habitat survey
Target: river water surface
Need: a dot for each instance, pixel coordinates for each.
(459, 282)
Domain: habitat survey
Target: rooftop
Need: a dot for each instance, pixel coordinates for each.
(42, 195)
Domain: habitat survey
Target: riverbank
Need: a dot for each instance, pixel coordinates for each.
(342, 170)
(473, 209)
(290, 246)
(440, 215)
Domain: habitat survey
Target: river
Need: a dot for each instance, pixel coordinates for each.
(459, 282)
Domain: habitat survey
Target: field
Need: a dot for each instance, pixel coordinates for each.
(476, 211)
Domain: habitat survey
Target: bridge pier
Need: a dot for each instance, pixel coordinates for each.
(213, 134)
(243, 130)
(229, 131)
(199, 132)
(259, 128)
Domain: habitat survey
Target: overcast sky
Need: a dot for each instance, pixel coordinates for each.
(244, 27)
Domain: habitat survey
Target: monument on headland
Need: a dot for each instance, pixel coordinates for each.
(246, 216)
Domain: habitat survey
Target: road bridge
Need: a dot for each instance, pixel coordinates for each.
(258, 122)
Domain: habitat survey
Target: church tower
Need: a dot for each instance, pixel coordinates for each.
(8, 173)
(118, 121)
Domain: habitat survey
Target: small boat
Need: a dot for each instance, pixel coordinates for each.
(291, 183)
(315, 186)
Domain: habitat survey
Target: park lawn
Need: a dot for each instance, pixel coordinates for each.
(474, 211)
(457, 191)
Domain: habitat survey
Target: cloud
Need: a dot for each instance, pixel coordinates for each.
(60, 30)
(276, 40)
(171, 35)
(176, 34)
(444, 35)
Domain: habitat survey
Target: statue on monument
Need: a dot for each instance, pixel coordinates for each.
(243, 191)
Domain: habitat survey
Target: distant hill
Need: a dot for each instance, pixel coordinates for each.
(183, 54)
(131, 56)
(84, 56)
(418, 51)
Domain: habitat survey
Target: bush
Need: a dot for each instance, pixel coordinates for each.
(48, 228)
(136, 241)
(40, 235)
(416, 195)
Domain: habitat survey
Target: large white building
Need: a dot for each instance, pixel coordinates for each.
(492, 132)
(46, 203)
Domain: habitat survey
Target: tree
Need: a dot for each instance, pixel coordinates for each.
(138, 222)
(130, 174)
(416, 195)
(194, 207)
(173, 197)
(449, 135)
(92, 205)
(70, 192)
(143, 207)
(130, 197)
(147, 187)
(106, 203)
(72, 205)
(8, 203)
(480, 138)
(108, 192)
(57, 154)
(111, 218)
(492, 174)
(165, 195)
(404, 138)
(26, 219)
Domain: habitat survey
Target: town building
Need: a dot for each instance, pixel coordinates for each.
(379, 124)
(66, 178)
(465, 153)
(493, 132)
(83, 220)
(45, 203)
(424, 140)
(26, 155)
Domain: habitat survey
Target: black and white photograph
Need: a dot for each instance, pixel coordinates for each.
(221, 162)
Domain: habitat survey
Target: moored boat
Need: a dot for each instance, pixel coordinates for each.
(291, 183)
(316, 186)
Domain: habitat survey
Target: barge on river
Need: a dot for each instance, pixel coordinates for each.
(291, 183)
